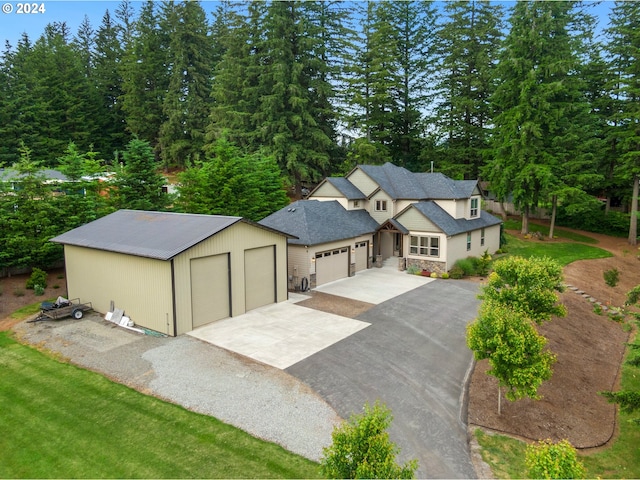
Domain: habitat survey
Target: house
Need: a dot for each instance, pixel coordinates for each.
(173, 272)
(330, 241)
(12, 177)
(423, 219)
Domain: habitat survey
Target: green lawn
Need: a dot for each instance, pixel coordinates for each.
(558, 232)
(562, 252)
(60, 421)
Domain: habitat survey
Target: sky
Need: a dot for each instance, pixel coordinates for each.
(14, 19)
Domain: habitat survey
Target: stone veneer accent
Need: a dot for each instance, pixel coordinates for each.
(430, 265)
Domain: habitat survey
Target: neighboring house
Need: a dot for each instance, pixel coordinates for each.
(423, 219)
(12, 177)
(331, 242)
(173, 272)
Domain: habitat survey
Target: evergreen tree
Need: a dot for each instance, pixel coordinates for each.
(145, 79)
(468, 45)
(535, 104)
(138, 184)
(624, 49)
(287, 118)
(186, 105)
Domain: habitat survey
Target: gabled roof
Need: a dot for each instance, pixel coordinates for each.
(348, 189)
(158, 235)
(401, 184)
(314, 222)
(449, 225)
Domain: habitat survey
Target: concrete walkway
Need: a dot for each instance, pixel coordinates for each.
(283, 334)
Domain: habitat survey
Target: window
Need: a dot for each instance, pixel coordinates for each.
(356, 203)
(474, 207)
(482, 237)
(468, 241)
(427, 246)
(381, 205)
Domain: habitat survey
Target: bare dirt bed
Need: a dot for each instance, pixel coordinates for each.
(589, 349)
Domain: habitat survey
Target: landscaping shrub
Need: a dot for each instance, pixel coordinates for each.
(433, 275)
(611, 277)
(413, 269)
(444, 276)
(38, 290)
(553, 460)
(594, 220)
(456, 272)
(38, 277)
(469, 265)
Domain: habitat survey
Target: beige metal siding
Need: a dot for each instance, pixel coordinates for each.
(210, 293)
(234, 241)
(415, 221)
(139, 286)
(362, 181)
(260, 277)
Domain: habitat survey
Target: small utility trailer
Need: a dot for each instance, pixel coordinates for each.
(62, 308)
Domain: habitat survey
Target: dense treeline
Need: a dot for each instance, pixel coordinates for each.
(537, 105)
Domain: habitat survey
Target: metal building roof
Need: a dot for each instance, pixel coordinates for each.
(159, 235)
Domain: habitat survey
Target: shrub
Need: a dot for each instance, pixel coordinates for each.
(611, 277)
(548, 460)
(38, 277)
(433, 275)
(38, 290)
(456, 272)
(483, 263)
(597, 309)
(467, 265)
(413, 269)
(444, 276)
(361, 448)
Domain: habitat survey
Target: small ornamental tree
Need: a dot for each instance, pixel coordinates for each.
(515, 350)
(529, 285)
(361, 448)
(546, 459)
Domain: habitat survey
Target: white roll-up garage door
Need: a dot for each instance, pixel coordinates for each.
(259, 277)
(332, 265)
(362, 254)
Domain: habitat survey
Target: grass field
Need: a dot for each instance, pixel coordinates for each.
(60, 421)
(563, 252)
(512, 224)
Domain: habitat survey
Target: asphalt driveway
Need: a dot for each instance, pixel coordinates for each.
(414, 359)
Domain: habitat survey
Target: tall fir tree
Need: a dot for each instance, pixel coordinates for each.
(145, 78)
(535, 104)
(468, 44)
(287, 118)
(624, 51)
(186, 105)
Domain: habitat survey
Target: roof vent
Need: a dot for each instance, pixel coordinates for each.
(293, 209)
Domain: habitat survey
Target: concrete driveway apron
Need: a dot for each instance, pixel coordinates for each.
(414, 359)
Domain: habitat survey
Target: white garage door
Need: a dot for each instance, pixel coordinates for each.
(259, 277)
(332, 265)
(362, 253)
(210, 280)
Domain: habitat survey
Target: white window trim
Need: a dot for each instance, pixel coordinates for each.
(381, 203)
(473, 209)
(468, 241)
(415, 250)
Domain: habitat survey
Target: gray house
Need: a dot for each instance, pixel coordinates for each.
(423, 219)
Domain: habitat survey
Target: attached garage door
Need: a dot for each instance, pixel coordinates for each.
(362, 253)
(210, 291)
(260, 277)
(332, 265)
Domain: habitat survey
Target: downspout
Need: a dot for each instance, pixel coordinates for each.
(173, 299)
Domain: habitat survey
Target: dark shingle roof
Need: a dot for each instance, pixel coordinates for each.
(400, 183)
(315, 222)
(157, 235)
(11, 174)
(450, 225)
(348, 189)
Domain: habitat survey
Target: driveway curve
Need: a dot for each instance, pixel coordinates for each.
(414, 359)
